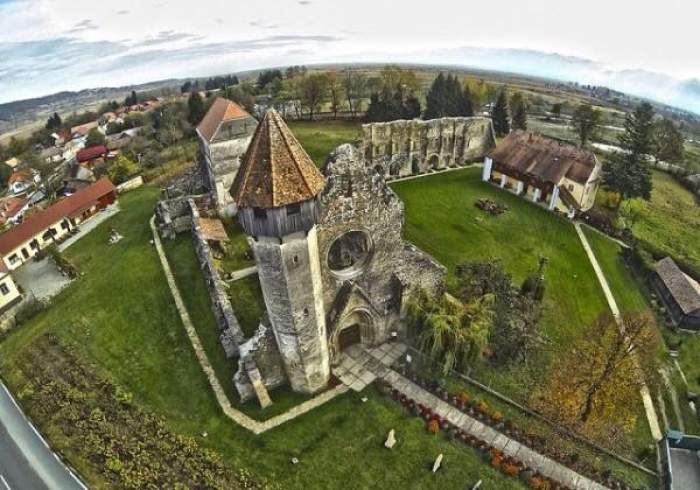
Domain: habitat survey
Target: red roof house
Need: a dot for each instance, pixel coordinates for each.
(92, 155)
(40, 229)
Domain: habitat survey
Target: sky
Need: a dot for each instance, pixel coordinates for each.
(52, 45)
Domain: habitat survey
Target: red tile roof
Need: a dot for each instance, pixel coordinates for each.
(10, 206)
(20, 176)
(37, 222)
(221, 110)
(91, 152)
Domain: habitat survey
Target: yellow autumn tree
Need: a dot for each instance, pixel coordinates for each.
(594, 388)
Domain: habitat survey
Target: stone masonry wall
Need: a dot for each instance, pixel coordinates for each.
(357, 199)
(404, 148)
(231, 333)
(259, 352)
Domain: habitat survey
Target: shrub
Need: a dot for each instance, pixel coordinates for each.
(433, 426)
(510, 469)
(463, 398)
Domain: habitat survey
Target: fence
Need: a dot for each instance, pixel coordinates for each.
(536, 415)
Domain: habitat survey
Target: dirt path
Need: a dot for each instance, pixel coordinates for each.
(652, 417)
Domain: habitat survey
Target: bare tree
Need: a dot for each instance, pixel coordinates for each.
(335, 92)
(313, 91)
(355, 86)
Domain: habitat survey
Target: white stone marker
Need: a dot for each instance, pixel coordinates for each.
(390, 440)
(437, 463)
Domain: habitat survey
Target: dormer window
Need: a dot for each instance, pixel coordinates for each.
(293, 209)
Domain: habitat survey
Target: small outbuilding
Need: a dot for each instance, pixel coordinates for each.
(679, 292)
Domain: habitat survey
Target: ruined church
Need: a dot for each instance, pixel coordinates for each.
(332, 263)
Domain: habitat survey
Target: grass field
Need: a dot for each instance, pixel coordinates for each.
(670, 221)
(573, 297)
(320, 138)
(629, 294)
(120, 316)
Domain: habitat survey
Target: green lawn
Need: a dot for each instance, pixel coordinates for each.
(670, 221)
(442, 220)
(319, 138)
(120, 316)
(628, 292)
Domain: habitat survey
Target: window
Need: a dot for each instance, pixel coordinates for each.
(4, 289)
(259, 213)
(14, 259)
(571, 187)
(64, 225)
(293, 209)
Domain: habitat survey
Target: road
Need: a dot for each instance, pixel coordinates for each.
(26, 462)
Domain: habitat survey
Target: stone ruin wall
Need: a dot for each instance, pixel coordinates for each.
(405, 148)
(357, 198)
(231, 334)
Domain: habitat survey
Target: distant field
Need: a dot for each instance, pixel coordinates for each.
(319, 138)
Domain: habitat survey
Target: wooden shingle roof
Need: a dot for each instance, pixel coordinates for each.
(684, 289)
(276, 170)
(221, 110)
(547, 159)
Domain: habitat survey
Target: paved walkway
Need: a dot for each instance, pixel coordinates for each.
(652, 418)
(90, 225)
(360, 364)
(41, 278)
(237, 416)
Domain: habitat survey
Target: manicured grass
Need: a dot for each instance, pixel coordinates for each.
(248, 303)
(689, 359)
(442, 220)
(120, 316)
(319, 138)
(628, 292)
(670, 221)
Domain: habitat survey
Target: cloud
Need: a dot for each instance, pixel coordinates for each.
(83, 25)
(165, 37)
(262, 25)
(122, 12)
(304, 2)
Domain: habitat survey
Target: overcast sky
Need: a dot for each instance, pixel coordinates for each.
(52, 45)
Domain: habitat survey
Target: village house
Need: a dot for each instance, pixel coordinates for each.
(92, 156)
(9, 293)
(20, 181)
(82, 130)
(77, 178)
(45, 227)
(12, 209)
(679, 292)
(563, 176)
(52, 154)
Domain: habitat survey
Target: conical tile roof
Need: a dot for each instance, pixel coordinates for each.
(276, 170)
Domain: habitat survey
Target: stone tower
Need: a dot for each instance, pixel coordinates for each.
(276, 192)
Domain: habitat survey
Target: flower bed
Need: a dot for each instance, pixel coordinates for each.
(480, 410)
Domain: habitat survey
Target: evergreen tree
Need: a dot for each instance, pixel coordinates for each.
(195, 108)
(668, 144)
(585, 122)
(500, 116)
(628, 171)
(435, 98)
(131, 99)
(466, 104)
(519, 107)
(54, 122)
